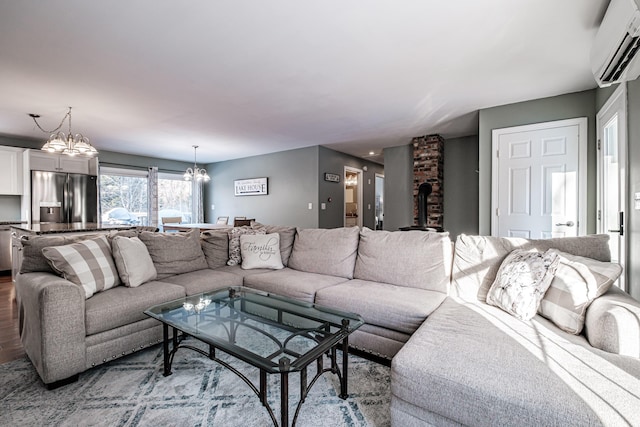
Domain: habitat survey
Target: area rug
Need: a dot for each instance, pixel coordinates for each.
(132, 391)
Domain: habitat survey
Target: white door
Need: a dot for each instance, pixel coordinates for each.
(612, 150)
(539, 180)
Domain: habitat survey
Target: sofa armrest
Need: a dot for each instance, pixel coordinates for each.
(51, 313)
(612, 323)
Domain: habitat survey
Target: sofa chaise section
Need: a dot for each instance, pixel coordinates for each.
(474, 364)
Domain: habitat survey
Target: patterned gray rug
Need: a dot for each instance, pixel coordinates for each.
(132, 391)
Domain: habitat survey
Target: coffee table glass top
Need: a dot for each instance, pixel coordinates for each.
(258, 327)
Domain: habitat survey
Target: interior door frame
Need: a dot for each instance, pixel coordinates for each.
(619, 95)
(583, 141)
(360, 175)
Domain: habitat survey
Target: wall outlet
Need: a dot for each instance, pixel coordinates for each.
(369, 206)
(310, 206)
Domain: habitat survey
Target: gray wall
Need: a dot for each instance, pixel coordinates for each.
(398, 187)
(579, 104)
(332, 161)
(293, 184)
(461, 185)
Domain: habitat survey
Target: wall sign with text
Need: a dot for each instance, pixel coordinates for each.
(250, 187)
(331, 177)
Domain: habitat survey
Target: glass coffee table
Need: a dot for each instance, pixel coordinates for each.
(275, 334)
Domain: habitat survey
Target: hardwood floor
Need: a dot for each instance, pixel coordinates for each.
(10, 346)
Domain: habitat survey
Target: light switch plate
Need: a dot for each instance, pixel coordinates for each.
(323, 206)
(310, 205)
(636, 199)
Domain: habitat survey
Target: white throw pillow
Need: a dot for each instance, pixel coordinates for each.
(134, 263)
(88, 264)
(261, 251)
(521, 282)
(577, 282)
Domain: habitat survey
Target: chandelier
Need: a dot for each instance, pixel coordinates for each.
(196, 173)
(68, 144)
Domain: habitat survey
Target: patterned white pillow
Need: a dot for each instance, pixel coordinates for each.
(133, 261)
(577, 282)
(235, 255)
(521, 282)
(88, 264)
(261, 251)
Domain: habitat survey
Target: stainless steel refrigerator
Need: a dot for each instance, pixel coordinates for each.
(63, 197)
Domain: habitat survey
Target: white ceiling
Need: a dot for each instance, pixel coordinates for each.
(247, 77)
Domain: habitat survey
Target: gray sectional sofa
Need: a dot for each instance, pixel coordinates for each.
(455, 359)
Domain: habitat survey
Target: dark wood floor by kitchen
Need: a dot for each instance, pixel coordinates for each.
(10, 346)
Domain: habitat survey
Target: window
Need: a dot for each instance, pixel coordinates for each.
(123, 196)
(175, 197)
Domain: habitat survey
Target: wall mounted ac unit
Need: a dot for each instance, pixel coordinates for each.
(614, 54)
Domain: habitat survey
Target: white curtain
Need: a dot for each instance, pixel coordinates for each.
(198, 208)
(153, 196)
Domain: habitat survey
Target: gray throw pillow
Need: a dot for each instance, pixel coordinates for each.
(174, 253)
(215, 245)
(133, 261)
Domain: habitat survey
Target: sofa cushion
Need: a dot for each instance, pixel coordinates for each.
(261, 251)
(235, 255)
(577, 282)
(292, 283)
(88, 264)
(207, 280)
(474, 364)
(122, 305)
(398, 308)
(287, 237)
(32, 258)
(405, 258)
(521, 282)
(133, 261)
(215, 245)
(477, 258)
(174, 253)
(612, 323)
(325, 251)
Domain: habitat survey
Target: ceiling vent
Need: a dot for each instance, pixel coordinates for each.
(614, 55)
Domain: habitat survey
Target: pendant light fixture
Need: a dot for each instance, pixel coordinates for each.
(196, 173)
(68, 144)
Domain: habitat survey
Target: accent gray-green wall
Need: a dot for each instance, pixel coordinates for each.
(292, 180)
(398, 187)
(332, 161)
(579, 104)
(461, 185)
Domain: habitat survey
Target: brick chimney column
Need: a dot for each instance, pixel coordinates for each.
(428, 166)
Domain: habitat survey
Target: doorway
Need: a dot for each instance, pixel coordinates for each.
(379, 202)
(611, 123)
(352, 197)
(539, 175)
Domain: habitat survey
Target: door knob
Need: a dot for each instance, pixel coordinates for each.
(566, 224)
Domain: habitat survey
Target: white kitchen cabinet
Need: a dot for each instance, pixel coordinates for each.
(10, 170)
(43, 161)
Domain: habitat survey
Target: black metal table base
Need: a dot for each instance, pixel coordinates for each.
(262, 392)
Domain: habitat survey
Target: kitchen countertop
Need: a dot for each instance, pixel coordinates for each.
(12, 222)
(50, 228)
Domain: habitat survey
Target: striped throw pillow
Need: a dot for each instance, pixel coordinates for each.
(577, 283)
(88, 264)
